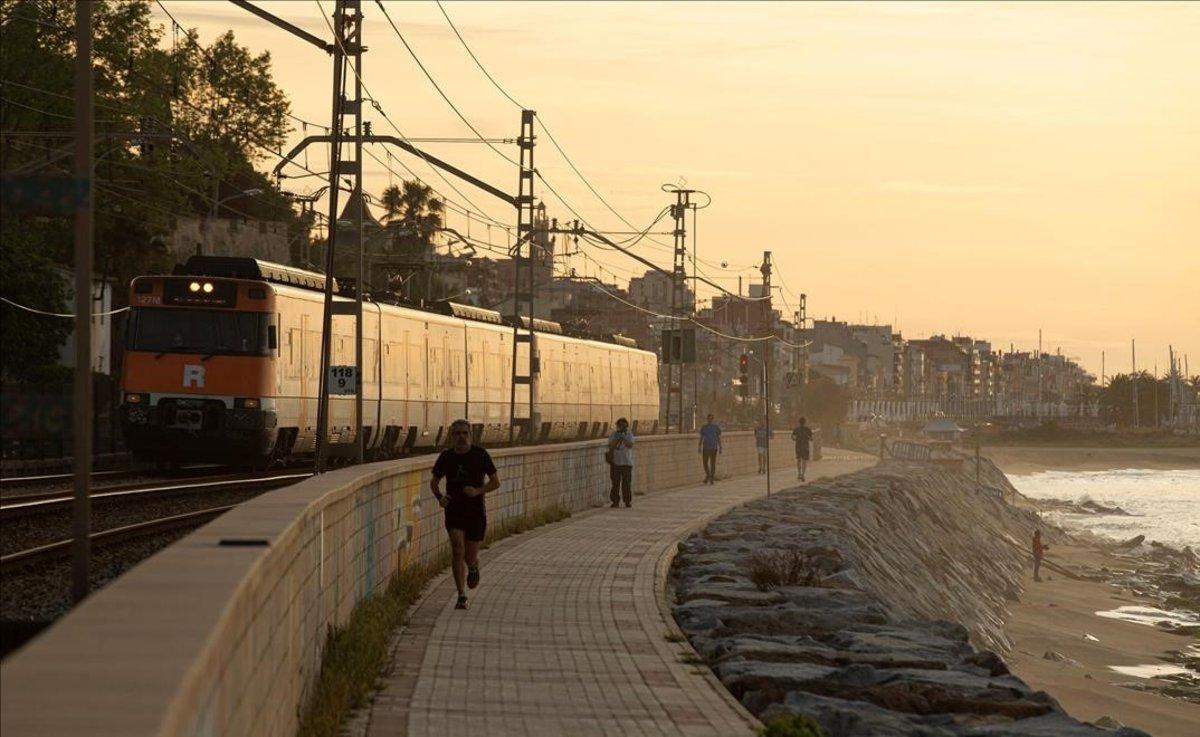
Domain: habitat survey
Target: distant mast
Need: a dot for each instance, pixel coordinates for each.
(1133, 366)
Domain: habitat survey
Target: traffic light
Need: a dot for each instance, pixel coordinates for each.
(744, 368)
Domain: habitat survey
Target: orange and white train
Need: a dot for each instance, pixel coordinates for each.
(222, 361)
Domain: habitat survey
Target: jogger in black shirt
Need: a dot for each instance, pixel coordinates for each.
(464, 466)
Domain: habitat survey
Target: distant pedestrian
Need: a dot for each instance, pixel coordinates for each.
(762, 438)
(710, 448)
(1039, 552)
(802, 436)
(464, 466)
(620, 444)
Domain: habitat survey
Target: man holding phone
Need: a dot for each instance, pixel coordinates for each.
(464, 466)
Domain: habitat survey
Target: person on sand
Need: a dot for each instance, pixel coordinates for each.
(464, 466)
(620, 443)
(1039, 551)
(710, 447)
(802, 436)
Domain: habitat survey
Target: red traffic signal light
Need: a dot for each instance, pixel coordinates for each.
(744, 363)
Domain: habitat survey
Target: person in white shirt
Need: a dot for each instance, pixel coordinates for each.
(620, 444)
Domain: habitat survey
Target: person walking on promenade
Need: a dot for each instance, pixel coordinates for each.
(1039, 552)
(762, 438)
(464, 466)
(620, 444)
(710, 448)
(802, 436)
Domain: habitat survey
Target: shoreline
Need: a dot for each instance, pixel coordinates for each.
(1027, 459)
(1061, 646)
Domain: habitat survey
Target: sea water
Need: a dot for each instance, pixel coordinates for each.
(1162, 505)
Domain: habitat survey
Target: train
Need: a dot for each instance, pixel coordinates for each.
(222, 363)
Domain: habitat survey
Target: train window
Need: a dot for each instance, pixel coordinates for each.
(216, 332)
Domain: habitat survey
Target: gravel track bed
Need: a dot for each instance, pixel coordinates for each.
(23, 533)
(42, 591)
(144, 478)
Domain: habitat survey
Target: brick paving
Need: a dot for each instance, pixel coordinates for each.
(567, 633)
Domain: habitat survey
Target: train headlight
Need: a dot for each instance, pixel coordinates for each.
(134, 398)
(246, 403)
(208, 287)
(194, 286)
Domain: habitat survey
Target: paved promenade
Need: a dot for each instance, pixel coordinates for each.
(567, 634)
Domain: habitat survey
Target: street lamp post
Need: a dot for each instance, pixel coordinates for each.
(212, 214)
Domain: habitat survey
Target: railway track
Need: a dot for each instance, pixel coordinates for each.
(158, 501)
(12, 485)
(8, 482)
(140, 529)
(52, 501)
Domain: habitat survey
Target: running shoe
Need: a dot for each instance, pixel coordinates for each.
(472, 576)
(462, 603)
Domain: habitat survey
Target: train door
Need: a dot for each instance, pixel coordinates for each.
(427, 385)
(303, 395)
(404, 392)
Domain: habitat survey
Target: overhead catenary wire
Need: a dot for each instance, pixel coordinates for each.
(439, 89)
(379, 107)
(542, 123)
(559, 148)
(697, 323)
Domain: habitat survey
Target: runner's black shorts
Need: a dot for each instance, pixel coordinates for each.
(469, 518)
(802, 453)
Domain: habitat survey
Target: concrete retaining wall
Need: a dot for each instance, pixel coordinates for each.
(222, 633)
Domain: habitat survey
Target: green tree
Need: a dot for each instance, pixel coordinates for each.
(214, 109)
(415, 213)
(1117, 399)
(825, 403)
(31, 341)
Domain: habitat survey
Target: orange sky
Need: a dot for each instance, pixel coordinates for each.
(984, 169)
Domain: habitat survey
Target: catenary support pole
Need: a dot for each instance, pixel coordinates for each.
(81, 450)
(339, 71)
(360, 283)
(768, 358)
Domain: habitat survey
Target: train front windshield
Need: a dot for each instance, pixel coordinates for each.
(215, 332)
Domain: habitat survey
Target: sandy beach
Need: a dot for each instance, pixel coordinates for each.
(1055, 615)
(1032, 459)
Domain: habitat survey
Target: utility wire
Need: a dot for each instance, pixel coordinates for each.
(556, 145)
(439, 89)
(36, 311)
(697, 323)
(182, 100)
(375, 103)
(204, 52)
(541, 122)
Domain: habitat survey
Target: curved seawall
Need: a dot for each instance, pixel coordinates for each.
(872, 602)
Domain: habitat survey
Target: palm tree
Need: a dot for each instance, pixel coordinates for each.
(413, 215)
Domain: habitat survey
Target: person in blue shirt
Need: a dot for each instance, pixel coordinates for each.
(710, 447)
